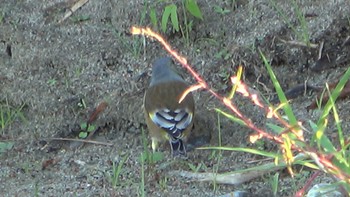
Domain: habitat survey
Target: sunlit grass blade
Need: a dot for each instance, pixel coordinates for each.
(231, 117)
(247, 150)
(319, 136)
(235, 86)
(282, 97)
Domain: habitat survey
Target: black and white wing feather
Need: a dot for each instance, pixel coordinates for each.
(173, 122)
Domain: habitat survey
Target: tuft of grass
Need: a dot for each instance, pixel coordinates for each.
(163, 182)
(318, 153)
(136, 44)
(36, 189)
(196, 168)
(2, 16)
(80, 18)
(281, 96)
(171, 15)
(149, 156)
(52, 82)
(221, 10)
(274, 183)
(116, 171)
(85, 128)
(217, 155)
(142, 184)
(8, 114)
(224, 54)
(304, 35)
(324, 145)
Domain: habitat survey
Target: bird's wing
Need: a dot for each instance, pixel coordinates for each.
(174, 122)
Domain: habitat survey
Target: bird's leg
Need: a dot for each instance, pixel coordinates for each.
(154, 144)
(177, 147)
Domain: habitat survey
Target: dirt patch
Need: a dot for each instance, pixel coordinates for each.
(54, 70)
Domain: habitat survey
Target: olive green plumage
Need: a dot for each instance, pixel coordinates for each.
(167, 119)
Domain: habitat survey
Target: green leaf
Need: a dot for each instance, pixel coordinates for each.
(157, 156)
(174, 19)
(313, 125)
(151, 157)
(82, 18)
(192, 167)
(5, 146)
(341, 161)
(193, 9)
(231, 117)
(326, 143)
(220, 10)
(91, 128)
(274, 183)
(153, 17)
(275, 128)
(166, 15)
(83, 126)
(83, 135)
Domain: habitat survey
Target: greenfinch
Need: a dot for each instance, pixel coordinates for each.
(167, 118)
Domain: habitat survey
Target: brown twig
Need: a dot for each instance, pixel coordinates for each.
(320, 50)
(297, 43)
(81, 140)
(74, 8)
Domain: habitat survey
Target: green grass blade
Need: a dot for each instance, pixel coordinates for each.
(165, 16)
(319, 136)
(282, 97)
(247, 150)
(231, 117)
(192, 7)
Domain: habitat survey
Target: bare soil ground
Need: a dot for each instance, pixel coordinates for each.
(52, 68)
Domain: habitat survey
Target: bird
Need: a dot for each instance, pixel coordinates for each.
(167, 118)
